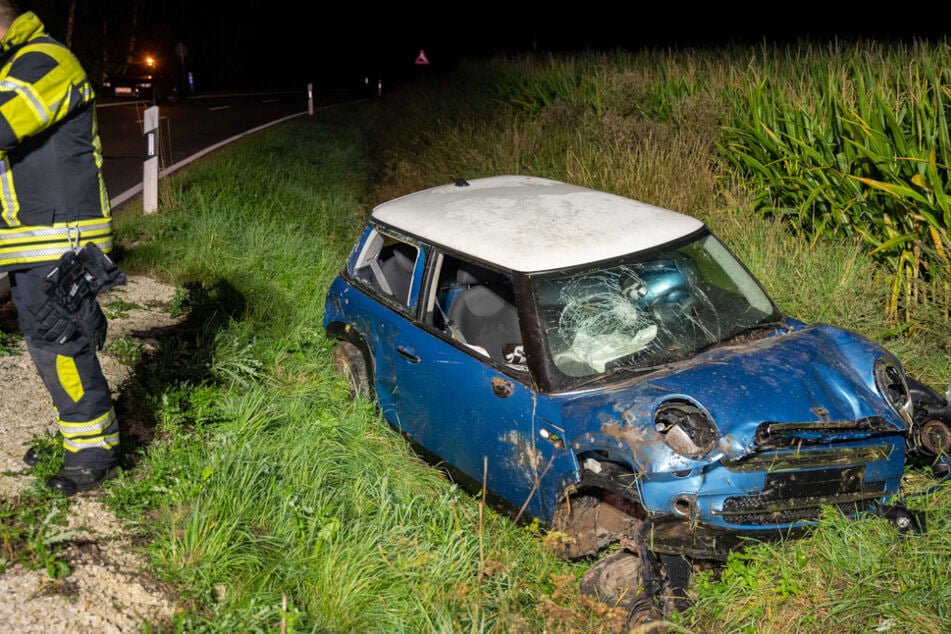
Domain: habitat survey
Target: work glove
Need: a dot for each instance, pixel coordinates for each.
(54, 322)
(71, 288)
(91, 321)
(79, 273)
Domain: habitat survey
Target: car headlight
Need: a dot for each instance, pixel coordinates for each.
(686, 428)
(890, 381)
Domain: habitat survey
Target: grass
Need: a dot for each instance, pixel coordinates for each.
(33, 526)
(845, 577)
(32, 534)
(270, 500)
(8, 343)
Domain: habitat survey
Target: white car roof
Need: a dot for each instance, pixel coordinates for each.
(526, 223)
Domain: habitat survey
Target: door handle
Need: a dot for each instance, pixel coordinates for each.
(406, 354)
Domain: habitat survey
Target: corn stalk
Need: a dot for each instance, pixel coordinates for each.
(859, 147)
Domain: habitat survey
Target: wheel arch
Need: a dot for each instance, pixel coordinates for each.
(602, 508)
(340, 331)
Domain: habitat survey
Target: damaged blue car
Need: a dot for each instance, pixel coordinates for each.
(611, 369)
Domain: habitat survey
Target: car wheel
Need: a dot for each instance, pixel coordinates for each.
(627, 580)
(350, 361)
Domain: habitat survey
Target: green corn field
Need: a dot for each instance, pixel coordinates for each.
(854, 142)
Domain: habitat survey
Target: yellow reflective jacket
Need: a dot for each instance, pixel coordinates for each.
(52, 194)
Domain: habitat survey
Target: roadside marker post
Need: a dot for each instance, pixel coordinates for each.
(151, 160)
(310, 99)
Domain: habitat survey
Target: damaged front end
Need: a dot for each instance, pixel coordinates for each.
(747, 442)
(777, 491)
(714, 465)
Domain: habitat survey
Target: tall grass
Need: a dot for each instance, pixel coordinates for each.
(853, 141)
(271, 501)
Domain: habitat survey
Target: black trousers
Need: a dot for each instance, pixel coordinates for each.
(80, 393)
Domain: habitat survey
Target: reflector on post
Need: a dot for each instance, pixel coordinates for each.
(150, 165)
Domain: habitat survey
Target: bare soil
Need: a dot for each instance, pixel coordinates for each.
(109, 589)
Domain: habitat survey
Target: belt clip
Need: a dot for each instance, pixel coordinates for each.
(73, 241)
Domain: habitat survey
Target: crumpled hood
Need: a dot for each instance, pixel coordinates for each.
(819, 373)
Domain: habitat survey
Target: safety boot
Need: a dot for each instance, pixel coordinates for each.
(71, 480)
(32, 457)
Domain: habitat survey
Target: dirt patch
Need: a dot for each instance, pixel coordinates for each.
(108, 589)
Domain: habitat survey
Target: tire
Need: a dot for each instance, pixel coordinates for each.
(627, 580)
(350, 362)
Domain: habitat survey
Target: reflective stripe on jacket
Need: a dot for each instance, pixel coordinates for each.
(52, 194)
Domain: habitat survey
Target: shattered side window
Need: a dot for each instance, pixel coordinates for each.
(644, 311)
(386, 265)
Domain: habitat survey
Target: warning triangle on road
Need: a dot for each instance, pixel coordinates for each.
(421, 58)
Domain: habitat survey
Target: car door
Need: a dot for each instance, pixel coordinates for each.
(387, 267)
(475, 413)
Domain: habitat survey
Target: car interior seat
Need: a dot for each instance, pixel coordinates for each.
(398, 271)
(483, 316)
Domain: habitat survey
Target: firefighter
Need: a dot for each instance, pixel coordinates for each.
(53, 201)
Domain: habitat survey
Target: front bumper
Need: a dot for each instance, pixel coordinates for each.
(775, 493)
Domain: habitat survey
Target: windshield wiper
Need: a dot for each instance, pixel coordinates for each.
(633, 370)
(749, 331)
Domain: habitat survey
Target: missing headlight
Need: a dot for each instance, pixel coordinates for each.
(890, 381)
(686, 428)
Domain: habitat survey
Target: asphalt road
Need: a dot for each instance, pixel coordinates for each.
(187, 129)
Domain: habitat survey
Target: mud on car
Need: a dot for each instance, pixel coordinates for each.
(612, 369)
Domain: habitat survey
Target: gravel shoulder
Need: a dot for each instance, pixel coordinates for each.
(108, 589)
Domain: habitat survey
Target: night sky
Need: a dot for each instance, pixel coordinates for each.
(244, 45)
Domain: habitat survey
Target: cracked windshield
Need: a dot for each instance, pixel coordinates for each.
(648, 310)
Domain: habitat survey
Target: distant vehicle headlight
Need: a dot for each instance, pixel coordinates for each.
(686, 428)
(890, 381)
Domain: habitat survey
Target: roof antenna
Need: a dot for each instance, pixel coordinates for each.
(460, 182)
